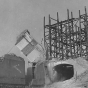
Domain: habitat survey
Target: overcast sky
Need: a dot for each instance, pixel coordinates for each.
(18, 15)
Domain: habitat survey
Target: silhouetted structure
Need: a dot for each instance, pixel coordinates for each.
(69, 38)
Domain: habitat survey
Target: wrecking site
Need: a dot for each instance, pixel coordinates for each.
(61, 63)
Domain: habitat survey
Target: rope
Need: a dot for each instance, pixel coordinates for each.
(10, 49)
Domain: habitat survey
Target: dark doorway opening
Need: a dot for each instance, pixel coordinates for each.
(64, 71)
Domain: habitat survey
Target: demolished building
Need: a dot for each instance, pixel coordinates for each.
(64, 65)
(67, 43)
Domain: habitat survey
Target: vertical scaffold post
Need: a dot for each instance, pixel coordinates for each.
(61, 35)
(69, 28)
(50, 37)
(68, 40)
(72, 33)
(44, 32)
(58, 35)
(80, 45)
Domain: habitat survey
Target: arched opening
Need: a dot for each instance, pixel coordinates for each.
(64, 72)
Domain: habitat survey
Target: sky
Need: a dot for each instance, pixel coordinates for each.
(18, 15)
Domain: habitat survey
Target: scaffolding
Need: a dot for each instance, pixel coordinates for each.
(67, 39)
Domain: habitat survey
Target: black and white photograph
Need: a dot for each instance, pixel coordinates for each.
(43, 43)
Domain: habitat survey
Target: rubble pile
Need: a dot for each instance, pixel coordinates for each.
(80, 78)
